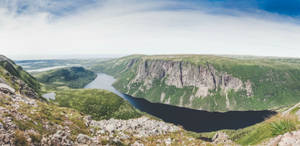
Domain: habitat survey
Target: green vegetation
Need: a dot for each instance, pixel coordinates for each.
(43, 113)
(10, 73)
(283, 126)
(272, 127)
(261, 132)
(275, 81)
(35, 119)
(100, 104)
(73, 77)
(294, 110)
(275, 84)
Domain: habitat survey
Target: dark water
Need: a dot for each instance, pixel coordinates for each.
(189, 119)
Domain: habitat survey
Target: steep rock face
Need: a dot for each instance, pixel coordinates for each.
(207, 82)
(28, 121)
(184, 74)
(185, 83)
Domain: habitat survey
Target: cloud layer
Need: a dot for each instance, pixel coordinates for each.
(143, 27)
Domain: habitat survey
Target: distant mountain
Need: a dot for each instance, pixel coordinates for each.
(73, 77)
(208, 82)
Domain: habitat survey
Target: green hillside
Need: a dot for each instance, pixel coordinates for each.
(275, 82)
(73, 77)
(17, 78)
(100, 104)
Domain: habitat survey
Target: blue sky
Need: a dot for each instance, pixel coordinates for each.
(289, 8)
(281, 7)
(246, 27)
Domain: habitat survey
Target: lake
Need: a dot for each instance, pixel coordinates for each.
(189, 119)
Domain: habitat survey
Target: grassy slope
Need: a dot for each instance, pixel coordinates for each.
(100, 104)
(49, 113)
(54, 115)
(260, 133)
(275, 81)
(8, 69)
(73, 77)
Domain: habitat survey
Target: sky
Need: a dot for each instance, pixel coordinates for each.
(32, 29)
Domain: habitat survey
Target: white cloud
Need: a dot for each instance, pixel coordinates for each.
(144, 28)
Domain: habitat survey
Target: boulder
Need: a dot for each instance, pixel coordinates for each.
(136, 143)
(287, 139)
(2, 81)
(221, 138)
(59, 138)
(7, 89)
(83, 139)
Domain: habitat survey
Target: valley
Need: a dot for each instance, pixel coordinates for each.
(77, 117)
(189, 119)
(99, 111)
(149, 73)
(207, 82)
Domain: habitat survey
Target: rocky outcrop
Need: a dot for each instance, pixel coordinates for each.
(7, 89)
(140, 127)
(222, 138)
(184, 74)
(14, 76)
(191, 82)
(25, 120)
(15, 129)
(83, 139)
(287, 139)
(23, 88)
(4, 58)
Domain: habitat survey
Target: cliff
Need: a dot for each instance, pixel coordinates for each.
(25, 120)
(213, 83)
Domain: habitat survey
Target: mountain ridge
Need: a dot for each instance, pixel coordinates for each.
(207, 82)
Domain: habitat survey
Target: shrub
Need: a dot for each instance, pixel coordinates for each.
(35, 138)
(20, 139)
(282, 126)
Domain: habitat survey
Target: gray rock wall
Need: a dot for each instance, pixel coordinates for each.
(183, 74)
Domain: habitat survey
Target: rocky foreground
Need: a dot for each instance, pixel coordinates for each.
(27, 121)
(287, 139)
